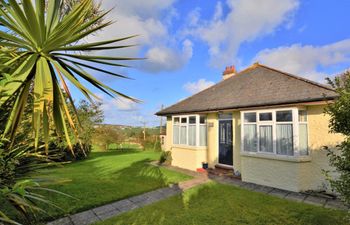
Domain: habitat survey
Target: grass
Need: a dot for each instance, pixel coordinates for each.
(125, 146)
(215, 203)
(106, 177)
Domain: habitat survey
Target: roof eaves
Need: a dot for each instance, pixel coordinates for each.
(161, 113)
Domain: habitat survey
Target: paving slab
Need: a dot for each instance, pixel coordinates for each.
(109, 214)
(167, 192)
(319, 201)
(336, 204)
(263, 189)
(138, 198)
(103, 209)
(84, 218)
(156, 195)
(250, 186)
(125, 205)
(147, 201)
(62, 221)
(122, 203)
(294, 196)
(279, 193)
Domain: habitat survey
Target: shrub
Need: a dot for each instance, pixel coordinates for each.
(339, 112)
(18, 194)
(165, 158)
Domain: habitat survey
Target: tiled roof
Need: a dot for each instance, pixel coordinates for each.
(255, 86)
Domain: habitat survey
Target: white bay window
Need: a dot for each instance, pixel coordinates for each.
(190, 130)
(278, 132)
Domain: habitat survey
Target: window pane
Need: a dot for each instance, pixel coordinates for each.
(184, 120)
(192, 120)
(265, 116)
(284, 116)
(192, 135)
(176, 131)
(250, 139)
(284, 139)
(202, 120)
(229, 133)
(302, 116)
(203, 135)
(183, 135)
(222, 133)
(265, 139)
(303, 143)
(250, 117)
(176, 119)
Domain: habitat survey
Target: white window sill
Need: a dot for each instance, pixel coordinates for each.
(190, 147)
(306, 158)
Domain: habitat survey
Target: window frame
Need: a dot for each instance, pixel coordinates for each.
(295, 126)
(307, 129)
(197, 124)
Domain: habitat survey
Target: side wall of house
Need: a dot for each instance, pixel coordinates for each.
(319, 136)
(294, 175)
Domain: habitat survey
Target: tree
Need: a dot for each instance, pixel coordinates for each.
(339, 112)
(41, 48)
(90, 115)
(47, 50)
(105, 135)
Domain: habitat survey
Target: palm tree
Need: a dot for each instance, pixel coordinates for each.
(44, 49)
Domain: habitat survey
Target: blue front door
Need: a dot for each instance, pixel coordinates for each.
(225, 142)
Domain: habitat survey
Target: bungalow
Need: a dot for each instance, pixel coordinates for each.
(267, 125)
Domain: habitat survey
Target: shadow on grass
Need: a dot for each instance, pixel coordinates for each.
(100, 182)
(221, 204)
(114, 152)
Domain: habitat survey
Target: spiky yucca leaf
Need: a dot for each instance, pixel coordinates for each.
(49, 52)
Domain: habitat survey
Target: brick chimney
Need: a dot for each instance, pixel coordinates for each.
(229, 72)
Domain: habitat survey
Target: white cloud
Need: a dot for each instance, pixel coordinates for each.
(124, 104)
(200, 85)
(150, 20)
(304, 60)
(117, 104)
(193, 17)
(246, 21)
(166, 59)
(125, 112)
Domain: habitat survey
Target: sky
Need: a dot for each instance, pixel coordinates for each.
(188, 43)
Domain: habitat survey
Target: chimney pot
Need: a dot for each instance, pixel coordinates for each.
(229, 72)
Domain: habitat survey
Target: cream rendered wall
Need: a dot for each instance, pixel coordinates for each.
(188, 158)
(213, 143)
(311, 176)
(169, 134)
(236, 125)
(296, 175)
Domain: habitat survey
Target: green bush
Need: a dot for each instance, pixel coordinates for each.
(165, 158)
(339, 112)
(18, 194)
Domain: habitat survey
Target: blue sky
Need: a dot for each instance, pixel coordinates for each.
(188, 43)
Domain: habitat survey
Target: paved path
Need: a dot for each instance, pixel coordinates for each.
(294, 196)
(107, 211)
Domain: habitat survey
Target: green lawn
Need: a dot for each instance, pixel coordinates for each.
(106, 177)
(215, 203)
